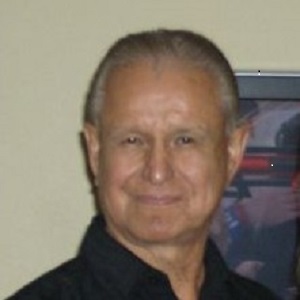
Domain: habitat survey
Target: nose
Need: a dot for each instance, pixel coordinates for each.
(158, 167)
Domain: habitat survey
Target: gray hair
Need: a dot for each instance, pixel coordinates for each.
(181, 45)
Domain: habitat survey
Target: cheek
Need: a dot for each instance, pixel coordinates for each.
(114, 171)
(199, 166)
(116, 168)
(205, 175)
(194, 168)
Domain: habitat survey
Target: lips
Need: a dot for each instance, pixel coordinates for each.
(158, 200)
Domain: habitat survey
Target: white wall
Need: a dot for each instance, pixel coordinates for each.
(49, 50)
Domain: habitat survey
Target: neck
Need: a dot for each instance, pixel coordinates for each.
(185, 270)
(183, 264)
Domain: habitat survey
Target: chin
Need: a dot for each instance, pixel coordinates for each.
(154, 238)
(161, 232)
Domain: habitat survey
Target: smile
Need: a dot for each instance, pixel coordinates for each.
(158, 200)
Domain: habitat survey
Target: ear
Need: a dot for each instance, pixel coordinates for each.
(236, 148)
(91, 136)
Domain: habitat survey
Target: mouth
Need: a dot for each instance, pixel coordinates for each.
(157, 200)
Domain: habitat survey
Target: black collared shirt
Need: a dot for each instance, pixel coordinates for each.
(105, 270)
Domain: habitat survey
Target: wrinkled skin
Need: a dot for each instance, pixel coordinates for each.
(161, 155)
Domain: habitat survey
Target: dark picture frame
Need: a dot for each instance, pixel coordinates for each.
(257, 229)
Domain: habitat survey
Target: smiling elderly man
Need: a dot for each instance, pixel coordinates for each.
(163, 143)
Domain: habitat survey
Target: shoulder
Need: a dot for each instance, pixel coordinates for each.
(59, 283)
(248, 289)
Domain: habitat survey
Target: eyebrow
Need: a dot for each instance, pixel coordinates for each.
(117, 131)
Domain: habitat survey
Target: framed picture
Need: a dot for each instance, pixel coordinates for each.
(257, 227)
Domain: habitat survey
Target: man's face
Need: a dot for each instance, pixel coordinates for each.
(162, 156)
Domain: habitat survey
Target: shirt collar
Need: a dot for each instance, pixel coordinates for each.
(216, 273)
(123, 270)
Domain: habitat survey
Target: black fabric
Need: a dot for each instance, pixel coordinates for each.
(104, 270)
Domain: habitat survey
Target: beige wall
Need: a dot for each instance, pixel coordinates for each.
(49, 50)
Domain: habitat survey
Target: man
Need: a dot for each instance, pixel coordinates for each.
(163, 142)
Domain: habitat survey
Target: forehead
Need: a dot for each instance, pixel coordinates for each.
(157, 67)
(149, 87)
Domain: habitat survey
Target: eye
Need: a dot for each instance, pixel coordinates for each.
(132, 140)
(185, 140)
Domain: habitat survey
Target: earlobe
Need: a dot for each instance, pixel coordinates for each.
(91, 137)
(236, 148)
